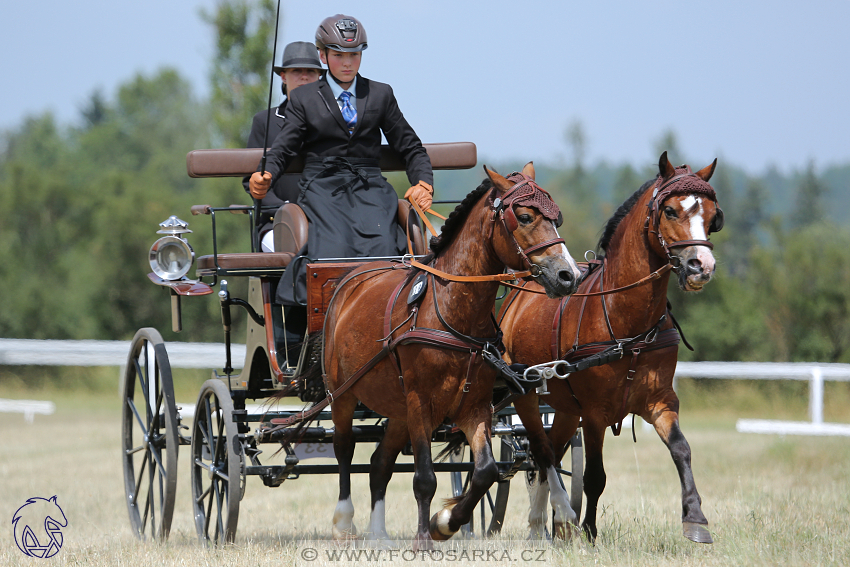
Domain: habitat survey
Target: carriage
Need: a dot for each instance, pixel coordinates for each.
(227, 431)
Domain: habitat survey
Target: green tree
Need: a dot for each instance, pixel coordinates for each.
(809, 207)
(241, 73)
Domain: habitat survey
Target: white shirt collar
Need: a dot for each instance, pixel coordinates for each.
(338, 90)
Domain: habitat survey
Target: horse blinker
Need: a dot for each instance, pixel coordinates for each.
(510, 219)
(717, 222)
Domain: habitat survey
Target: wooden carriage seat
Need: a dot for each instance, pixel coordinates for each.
(291, 225)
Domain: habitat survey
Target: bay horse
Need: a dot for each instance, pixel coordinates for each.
(419, 361)
(662, 227)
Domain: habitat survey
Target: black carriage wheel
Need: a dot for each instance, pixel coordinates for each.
(217, 459)
(149, 436)
(498, 505)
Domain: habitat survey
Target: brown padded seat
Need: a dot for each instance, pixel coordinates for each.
(241, 261)
(237, 162)
(404, 209)
(291, 225)
(290, 228)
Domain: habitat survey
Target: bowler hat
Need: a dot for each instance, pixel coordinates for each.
(299, 55)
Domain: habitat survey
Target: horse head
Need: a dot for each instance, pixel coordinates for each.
(524, 231)
(683, 212)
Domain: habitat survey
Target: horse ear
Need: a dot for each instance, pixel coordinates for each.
(706, 172)
(499, 182)
(528, 170)
(665, 168)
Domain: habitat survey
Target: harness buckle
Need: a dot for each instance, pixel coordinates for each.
(651, 336)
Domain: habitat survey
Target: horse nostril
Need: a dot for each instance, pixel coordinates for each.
(565, 276)
(694, 266)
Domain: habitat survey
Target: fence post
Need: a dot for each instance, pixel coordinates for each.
(816, 395)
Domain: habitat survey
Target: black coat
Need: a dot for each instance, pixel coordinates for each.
(286, 187)
(314, 128)
(350, 205)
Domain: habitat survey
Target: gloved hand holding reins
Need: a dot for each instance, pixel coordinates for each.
(422, 193)
(259, 184)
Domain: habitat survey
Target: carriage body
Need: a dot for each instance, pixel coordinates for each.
(224, 447)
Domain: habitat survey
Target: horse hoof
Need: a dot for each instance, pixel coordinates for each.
(559, 531)
(440, 525)
(344, 535)
(696, 532)
(537, 531)
(423, 542)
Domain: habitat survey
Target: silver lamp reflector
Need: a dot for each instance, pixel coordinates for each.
(171, 257)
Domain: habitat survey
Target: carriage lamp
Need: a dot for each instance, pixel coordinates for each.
(171, 257)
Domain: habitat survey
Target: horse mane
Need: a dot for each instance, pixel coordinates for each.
(456, 219)
(620, 214)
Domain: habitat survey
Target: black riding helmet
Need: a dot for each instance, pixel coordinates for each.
(341, 33)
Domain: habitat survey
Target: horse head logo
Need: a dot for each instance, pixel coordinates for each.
(37, 525)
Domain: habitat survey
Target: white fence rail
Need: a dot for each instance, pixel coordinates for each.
(208, 355)
(26, 352)
(814, 373)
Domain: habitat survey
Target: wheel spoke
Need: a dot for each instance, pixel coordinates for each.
(138, 417)
(208, 516)
(203, 495)
(134, 450)
(151, 498)
(139, 481)
(220, 494)
(157, 457)
(147, 507)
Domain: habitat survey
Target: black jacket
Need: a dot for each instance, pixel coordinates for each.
(286, 187)
(314, 128)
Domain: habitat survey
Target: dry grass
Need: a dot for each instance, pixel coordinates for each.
(770, 500)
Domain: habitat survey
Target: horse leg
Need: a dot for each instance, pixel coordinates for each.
(527, 408)
(342, 413)
(380, 473)
(563, 428)
(424, 479)
(458, 511)
(693, 520)
(594, 473)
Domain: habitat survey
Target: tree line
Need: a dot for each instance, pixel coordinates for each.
(80, 205)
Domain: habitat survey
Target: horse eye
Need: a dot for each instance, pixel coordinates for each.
(525, 219)
(670, 212)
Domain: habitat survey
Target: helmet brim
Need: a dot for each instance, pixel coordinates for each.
(335, 47)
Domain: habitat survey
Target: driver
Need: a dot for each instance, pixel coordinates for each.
(336, 124)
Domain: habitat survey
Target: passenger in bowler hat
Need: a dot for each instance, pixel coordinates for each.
(299, 66)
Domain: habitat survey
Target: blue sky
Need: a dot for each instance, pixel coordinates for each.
(755, 83)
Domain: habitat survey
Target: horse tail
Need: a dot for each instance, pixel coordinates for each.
(454, 443)
(452, 502)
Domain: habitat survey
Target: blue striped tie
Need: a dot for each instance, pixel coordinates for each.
(349, 114)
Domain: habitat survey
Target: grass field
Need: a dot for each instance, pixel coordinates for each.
(769, 500)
